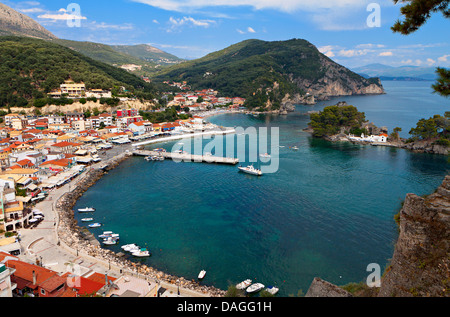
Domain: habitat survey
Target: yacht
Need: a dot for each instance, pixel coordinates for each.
(87, 209)
(131, 247)
(250, 170)
(255, 288)
(244, 284)
(95, 225)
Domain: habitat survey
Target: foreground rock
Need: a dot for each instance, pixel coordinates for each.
(421, 261)
(321, 288)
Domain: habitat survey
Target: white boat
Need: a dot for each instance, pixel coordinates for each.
(141, 253)
(105, 234)
(95, 225)
(87, 219)
(295, 148)
(110, 241)
(130, 247)
(265, 155)
(250, 170)
(255, 288)
(87, 209)
(202, 274)
(272, 289)
(244, 284)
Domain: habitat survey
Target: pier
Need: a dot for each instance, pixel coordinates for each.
(183, 157)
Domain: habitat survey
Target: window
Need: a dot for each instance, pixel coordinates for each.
(42, 291)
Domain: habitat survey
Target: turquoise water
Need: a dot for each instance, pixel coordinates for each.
(327, 212)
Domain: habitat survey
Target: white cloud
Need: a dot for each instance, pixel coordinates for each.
(177, 24)
(155, 21)
(240, 31)
(105, 26)
(386, 54)
(370, 45)
(31, 10)
(62, 15)
(281, 5)
(352, 53)
(443, 59)
(430, 61)
(251, 30)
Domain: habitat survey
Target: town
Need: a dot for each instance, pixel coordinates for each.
(43, 154)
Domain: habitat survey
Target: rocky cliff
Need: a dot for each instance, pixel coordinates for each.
(421, 261)
(15, 23)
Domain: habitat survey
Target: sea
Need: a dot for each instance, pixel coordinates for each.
(328, 210)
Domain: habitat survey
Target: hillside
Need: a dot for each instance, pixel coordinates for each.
(148, 53)
(31, 67)
(264, 72)
(16, 23)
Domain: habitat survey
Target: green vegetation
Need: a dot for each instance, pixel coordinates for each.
(260, 71)
(31, 68)
(337, 119)
(168, 115)
(416, 13)
(435, 128)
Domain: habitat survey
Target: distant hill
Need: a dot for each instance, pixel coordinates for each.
(16, 23)
(267, 71)
(30, 68)
(397, 73)
(148, 53)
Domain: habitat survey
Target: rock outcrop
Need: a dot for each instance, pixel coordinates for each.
(321, 288)
(421, 260)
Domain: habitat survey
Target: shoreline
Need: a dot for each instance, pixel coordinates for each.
(75, 237)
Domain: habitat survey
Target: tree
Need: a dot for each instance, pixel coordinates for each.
(416, 13)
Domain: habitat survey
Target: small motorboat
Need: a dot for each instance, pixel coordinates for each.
(105, 234)
(250, 170)
(265, 155)
(130, 247)
(244, 284)
(295, 148)
(87, 209)
(272, 289)
(110, 241)
(141, 253)
(202, 274)
(87, 219)
(95, 225)
(255, 288)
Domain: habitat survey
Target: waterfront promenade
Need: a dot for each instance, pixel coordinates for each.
(43, 245)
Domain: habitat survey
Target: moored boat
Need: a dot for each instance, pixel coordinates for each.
(110, 241)
(250, 170)
(265, 155)
(87, 209)
(87, 219)
(244, 284)
(255, 288)
(95, 225)
(202, 274)
(272, 289)
(141, 253)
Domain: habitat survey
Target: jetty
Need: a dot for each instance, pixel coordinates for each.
(184, 157)
(185, 136)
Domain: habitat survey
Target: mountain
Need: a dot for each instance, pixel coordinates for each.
(16, 23)
(266, 72)
(148, 53)
(397, 73)
(30, 68)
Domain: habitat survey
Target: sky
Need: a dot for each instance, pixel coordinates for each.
(351, 32)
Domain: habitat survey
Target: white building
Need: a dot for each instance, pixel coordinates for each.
(6, 287)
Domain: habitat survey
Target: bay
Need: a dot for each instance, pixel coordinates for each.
(328, 211)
